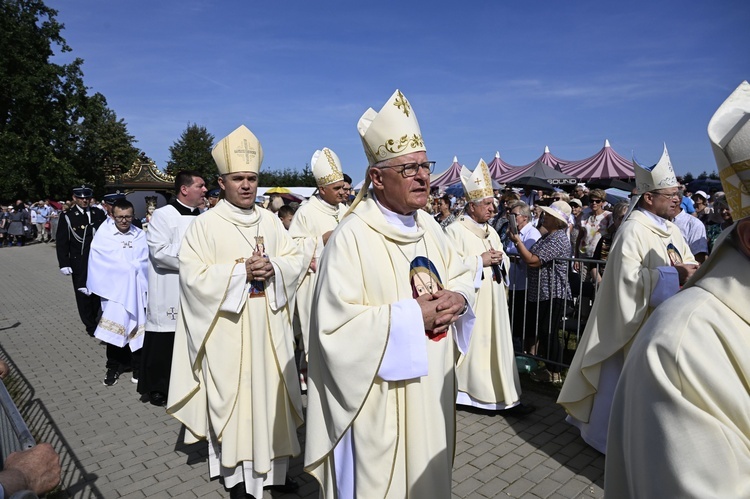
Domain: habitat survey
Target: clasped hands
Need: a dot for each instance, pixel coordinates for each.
(440, 309)
(492, 257)
(258, 267)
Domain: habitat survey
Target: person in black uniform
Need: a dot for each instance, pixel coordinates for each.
(75, 230)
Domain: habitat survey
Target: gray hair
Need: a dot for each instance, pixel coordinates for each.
(523, 208)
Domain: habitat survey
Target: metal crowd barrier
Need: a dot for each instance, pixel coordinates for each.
(575, 311)
(14, 434)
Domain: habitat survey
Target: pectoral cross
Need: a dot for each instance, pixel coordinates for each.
(172, 313)
(127, 244)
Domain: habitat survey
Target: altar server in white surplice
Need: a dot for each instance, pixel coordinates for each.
(233, 378)
(647, 264)
(118, 273)
(312, 226)
(487, 374)
(680, 423)
(381, 399)
(165, 232)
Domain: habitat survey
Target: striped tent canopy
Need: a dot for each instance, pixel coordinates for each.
(449, 177)
(604, 164)
(547, 158)
(498, 167)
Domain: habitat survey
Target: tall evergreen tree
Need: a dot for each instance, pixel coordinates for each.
(46, 117)
(193, 152)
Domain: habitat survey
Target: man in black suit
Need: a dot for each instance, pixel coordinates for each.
(75, 230)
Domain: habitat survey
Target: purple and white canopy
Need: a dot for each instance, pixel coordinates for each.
(498, 167)
(604, 164)
(449, 177)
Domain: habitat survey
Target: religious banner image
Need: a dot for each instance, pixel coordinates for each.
(424, 279)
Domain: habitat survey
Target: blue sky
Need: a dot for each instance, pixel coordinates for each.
(488, 76)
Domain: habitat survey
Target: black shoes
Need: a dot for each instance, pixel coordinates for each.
(111, 378)
(519, 411)
(238, 492)
(290, 485)
(158, 399)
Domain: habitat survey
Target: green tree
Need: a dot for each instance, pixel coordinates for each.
(47, 120)
(687, 178)
(193, 152)
(287, 178)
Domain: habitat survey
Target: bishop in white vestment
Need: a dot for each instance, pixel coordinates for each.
(647, 264)
(312, 225)
(680, 423)
(233, 378)
(487, 374)
(381, 399)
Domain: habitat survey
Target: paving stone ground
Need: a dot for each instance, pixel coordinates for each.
(113, 445)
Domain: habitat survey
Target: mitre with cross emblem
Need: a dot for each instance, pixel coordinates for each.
(392, 132)
(240, 151)
(477, 184)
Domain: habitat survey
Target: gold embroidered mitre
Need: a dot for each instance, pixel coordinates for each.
(392, 132)
(326, 167)
(240, 151)
(729, 131)
(477, 184)
(659, 176)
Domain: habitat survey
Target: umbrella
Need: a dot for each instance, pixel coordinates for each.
(278, 190)
(541, 176)
(455, 190)
(532, 182)
(610, 183)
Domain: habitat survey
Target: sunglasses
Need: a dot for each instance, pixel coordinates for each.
(595, 201)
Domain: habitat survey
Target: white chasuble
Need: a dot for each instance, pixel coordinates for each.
(310, 222)
(680, 423)
(233, 370)
(641, 249)
(393, 438)
(118, 273)
(487, 374)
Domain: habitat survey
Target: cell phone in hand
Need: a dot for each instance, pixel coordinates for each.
(512, 226)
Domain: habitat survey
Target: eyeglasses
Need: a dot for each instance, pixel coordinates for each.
(595, 201)
(408, 170)
(124, 219)
(676, 195)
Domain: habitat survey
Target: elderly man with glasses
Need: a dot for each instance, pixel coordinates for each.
(647, 264)
(529, 234)
(381, 392)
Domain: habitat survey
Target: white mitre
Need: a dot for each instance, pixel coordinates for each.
(326, 167)
(392, 132)
(240, 151)
(729, 131)
(659, 176)
(477, 184)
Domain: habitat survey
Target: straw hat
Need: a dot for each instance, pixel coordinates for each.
(559, 209)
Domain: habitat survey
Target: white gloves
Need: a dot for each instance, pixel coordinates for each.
(66, 271)
(85, 291)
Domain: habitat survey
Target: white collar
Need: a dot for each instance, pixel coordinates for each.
(407, 223)
(661, 222)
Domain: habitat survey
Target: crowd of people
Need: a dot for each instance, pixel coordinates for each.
(392, 308)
